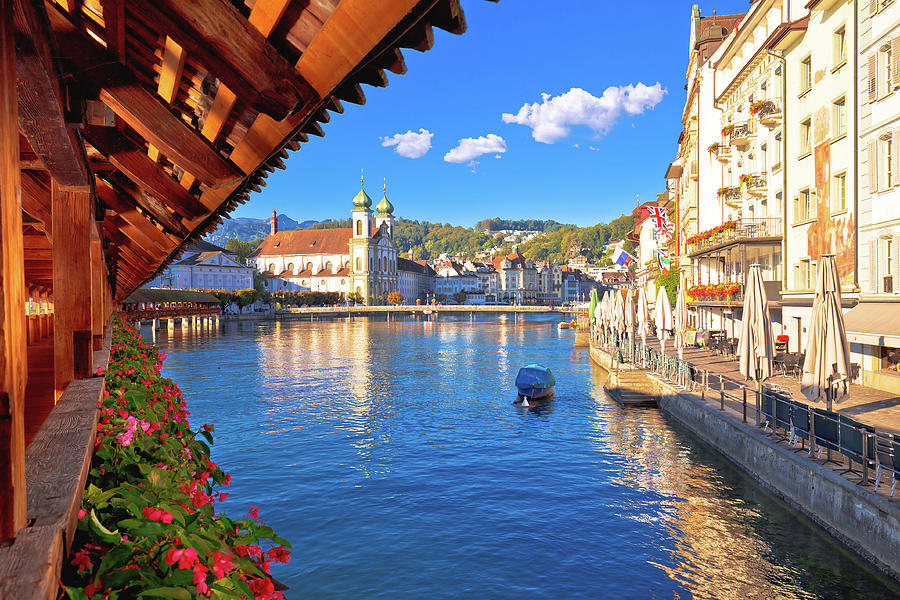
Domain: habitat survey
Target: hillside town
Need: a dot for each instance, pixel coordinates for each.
(363, 264)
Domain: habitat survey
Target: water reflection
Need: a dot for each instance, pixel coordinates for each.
(393, 457)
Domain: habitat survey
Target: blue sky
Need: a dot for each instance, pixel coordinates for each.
(513, 52)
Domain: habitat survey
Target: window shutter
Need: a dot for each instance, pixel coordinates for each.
(895, 48)
(873, 266)
(873, 72)
(895, 145)
(873, 7)
(873, 168)
(896, 265)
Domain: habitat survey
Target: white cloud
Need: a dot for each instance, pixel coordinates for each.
(552, 118)
(469, 149)
(410, 144)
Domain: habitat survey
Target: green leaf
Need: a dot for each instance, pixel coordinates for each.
(102, 532)
(167, 592)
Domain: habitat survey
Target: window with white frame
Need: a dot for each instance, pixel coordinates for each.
(805, 137)
(887, 70)
(804, 209)
(887, 264)
(840, 46)
(806, 74)
(839, 192)
(887, 150)
(776, 151)
(839, 116)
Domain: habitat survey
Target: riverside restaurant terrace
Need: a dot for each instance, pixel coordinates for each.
(127, 131)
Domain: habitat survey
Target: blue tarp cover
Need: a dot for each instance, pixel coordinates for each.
(535, 376)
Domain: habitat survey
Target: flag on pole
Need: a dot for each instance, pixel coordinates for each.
(620, 257)
(665, 263)
(669, 230)
(658, 215)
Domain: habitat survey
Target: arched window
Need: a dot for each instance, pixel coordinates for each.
(359, 228)
(371, 264)
(329, 266)
(271, 266)
(290, 267)
(309, 266)
(347, 264)
(358, 264)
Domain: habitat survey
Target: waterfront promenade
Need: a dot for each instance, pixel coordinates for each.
(839, 495)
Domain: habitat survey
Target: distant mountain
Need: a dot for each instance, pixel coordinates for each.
(247, 229)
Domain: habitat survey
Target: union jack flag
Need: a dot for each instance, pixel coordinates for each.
(658, 215)
(669, 230)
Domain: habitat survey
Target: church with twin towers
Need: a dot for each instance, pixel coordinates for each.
(360, 261)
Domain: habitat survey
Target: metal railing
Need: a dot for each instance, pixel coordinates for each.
(745, 229)
(773, 410)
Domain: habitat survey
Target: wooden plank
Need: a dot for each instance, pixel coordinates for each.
(71, 280)
(41, 99)
(354, 29)
(233, 50)
(266, 14)
(169, 80)
(114, 21)
(154, 240)
(131, 160)
(29, 569)
(36, 199)
(97, 320)
(142, 110)
(13, 355)
(149, 204)
(215, 121)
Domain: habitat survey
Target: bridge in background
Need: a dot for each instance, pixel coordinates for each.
(427, 309)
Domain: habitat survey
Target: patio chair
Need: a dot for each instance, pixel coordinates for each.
(779, 361)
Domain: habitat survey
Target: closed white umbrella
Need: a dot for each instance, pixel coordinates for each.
(827, 352)
(681, 319)
(619, 313)
(643, 316)
(663, 318)
(756, 347)
(629, 313)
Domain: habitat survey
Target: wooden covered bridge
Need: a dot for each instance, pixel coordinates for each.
(128, 130)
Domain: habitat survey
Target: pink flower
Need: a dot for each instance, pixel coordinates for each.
(157, 514)
(125, 438)
(253, 513)
(82, 560)
(199, 579)
(186, 558)
(280, 553)
(221, 564)
(262, 588)
(81, 513)
(145, 425)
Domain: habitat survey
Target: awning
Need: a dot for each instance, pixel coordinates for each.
(874, 323)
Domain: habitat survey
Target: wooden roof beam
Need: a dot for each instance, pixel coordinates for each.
(142, 110)
(149, 204)
(114, 22)
(130, 159)
(169, 80)
(420, 37)
(36, 200)
(266, 14)
(41, 99)
(449, 16)
(233, 50)
(151, 236)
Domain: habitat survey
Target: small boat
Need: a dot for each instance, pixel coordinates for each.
(535, 381)
(564, 325)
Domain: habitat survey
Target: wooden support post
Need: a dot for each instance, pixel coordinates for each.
(71, 285)
(97, 318)
(13, 350)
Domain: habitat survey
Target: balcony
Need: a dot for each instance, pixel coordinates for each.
(730, 195)
(733, 232)
(723, 153)
(756, 184)
(729, 294)
(768, 112)
(739, 135)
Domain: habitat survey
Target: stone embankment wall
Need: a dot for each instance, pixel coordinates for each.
(866, 523)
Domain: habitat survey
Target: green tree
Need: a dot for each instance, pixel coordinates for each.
(355, 298)
(459, 297)
(670, 282)
(242, 249)
(395, 298)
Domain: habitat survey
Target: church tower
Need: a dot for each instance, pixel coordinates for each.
(361, 255)
(385, 214)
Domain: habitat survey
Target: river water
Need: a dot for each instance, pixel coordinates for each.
(392, 457)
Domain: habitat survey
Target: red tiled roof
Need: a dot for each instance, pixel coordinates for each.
(306, 241)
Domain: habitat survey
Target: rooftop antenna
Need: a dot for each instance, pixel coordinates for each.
(361, 177)
(385, 185)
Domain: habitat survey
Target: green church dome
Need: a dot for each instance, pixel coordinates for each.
(385, 207)
(362, 200)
